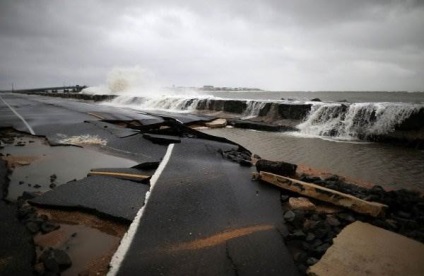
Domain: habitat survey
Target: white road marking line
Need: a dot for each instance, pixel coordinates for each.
(126, 241)
(19, 116)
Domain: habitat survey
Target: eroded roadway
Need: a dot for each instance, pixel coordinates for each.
(204, 215)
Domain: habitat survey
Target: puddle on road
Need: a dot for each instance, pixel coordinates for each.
(36, 165)
(89, 249)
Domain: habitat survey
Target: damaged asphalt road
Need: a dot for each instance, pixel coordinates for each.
(203, 215)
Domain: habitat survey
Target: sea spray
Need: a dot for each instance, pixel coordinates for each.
(139, 88)
(134, 81)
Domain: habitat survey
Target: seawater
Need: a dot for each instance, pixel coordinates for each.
(329, 137)
(333, 96)
(390, 166)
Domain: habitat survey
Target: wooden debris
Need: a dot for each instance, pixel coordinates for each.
(324, 194)
(120, 175)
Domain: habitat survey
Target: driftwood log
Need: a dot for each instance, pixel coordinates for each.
(324, 194)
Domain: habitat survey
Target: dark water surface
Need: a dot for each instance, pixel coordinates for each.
(352, 97)
(390, 166)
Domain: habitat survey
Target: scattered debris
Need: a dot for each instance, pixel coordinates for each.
(241, 156)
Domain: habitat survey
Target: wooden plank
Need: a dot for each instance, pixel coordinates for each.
(324, 194)
(118, 174)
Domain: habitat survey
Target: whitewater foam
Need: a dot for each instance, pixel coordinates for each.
(355, 121)
(253, 109)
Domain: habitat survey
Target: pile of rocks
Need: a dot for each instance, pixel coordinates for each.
(312, 226)
(310, 231)
(51, 261)
(29, 217)
(405, 213)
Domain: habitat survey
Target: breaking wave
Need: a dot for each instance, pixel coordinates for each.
(357, 120)
(164, 102)
(139, 88)
(128, 81)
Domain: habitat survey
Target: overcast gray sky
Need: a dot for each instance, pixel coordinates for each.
(270, 44)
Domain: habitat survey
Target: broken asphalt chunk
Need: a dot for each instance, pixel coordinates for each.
(162, 139)
(106, 196)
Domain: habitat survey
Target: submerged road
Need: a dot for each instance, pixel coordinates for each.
(202, 216)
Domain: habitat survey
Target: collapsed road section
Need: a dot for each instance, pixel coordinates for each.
(167, 199)
(203, 206)
(206, 215)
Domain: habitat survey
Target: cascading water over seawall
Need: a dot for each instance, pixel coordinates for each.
(169, 103)
(253, 109)
(138, 88)
(357, 120)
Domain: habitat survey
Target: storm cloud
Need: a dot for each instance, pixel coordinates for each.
(276, 45)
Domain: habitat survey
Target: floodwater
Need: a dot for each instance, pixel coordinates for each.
(37, 162)
(389, 166)
(85, 246)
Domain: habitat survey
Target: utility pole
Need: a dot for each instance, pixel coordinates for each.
(12, 87)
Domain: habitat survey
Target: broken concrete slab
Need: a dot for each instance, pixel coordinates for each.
(363, 249)
(103, 195)
(218, 123)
